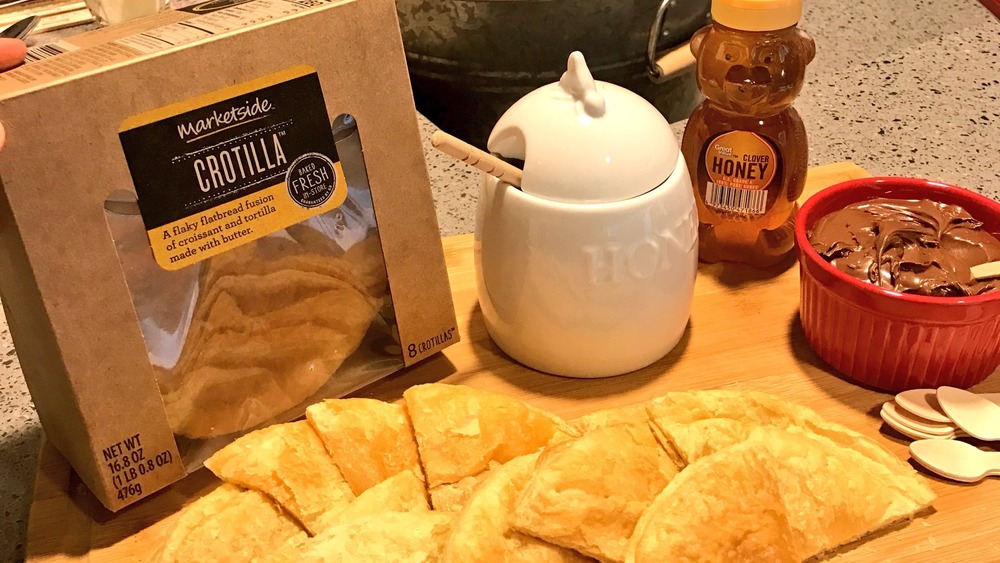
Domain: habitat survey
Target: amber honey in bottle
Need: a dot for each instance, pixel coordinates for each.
(745, 145)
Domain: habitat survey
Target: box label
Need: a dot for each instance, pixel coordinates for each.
(234, 165)
(129, 460)
(152, 34)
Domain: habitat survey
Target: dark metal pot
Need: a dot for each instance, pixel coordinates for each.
(469, 60)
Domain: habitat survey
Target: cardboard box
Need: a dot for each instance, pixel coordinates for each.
(204, 214)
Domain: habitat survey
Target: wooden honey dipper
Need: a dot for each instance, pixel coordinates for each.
(457, 148)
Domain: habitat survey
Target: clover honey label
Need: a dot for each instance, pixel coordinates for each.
(231, 166)
(740, 165)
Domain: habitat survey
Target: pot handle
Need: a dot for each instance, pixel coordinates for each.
(675, 60)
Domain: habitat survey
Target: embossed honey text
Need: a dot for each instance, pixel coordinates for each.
(612, 261)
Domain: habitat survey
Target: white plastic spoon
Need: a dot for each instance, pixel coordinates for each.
(979, 417)
(956, 460)
(924, 403)
(917, 423)
(910, 432)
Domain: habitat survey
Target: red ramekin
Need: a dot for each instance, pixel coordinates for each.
(888, 340)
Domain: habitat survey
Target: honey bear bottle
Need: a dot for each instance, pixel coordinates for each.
(745, 145)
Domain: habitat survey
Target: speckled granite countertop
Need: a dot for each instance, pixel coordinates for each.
(901, 87)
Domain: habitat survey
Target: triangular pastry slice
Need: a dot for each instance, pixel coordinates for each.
(403, 492)
(228, 524)
(287, 552)
(461, 430)
(369, 440)
(857, 495)
(695, 424)
(389, 537)
(780, 495)
(482, 530)
(452, 497)
(289, 463)
(900, 473)
(629, 414)
(193, 515)
(587, 494)
(699, 423)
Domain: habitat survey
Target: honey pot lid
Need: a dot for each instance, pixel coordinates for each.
(757, 15)
(586, 141)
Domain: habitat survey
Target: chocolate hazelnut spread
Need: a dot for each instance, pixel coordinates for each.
(909, 246)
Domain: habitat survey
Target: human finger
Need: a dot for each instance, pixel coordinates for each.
(12, 52)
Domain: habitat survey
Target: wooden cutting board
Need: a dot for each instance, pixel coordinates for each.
(744, 333)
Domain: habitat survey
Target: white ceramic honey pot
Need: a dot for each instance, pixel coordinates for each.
(588, 270)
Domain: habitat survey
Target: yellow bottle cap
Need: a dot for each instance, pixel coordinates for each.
(757, 15)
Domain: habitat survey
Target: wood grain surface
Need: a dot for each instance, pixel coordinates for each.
(744, 333)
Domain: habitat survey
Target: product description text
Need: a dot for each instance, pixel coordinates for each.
(211, 230)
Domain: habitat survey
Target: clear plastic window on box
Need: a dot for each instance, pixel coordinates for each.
(252, 336)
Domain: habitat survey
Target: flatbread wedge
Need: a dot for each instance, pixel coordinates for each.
(482, 530)
(629, 414)
(783, 495)
(461, 430)
(403, 492)
(193, 515)
(228, 524)
(369, 440)
(289, 463)
(699, 423)
(587, 494)
(691, 425)
(390, 537)
(452, 496)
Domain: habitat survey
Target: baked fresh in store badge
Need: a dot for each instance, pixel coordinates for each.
(230, 166)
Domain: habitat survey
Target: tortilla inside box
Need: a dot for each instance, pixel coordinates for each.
(204, 215)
